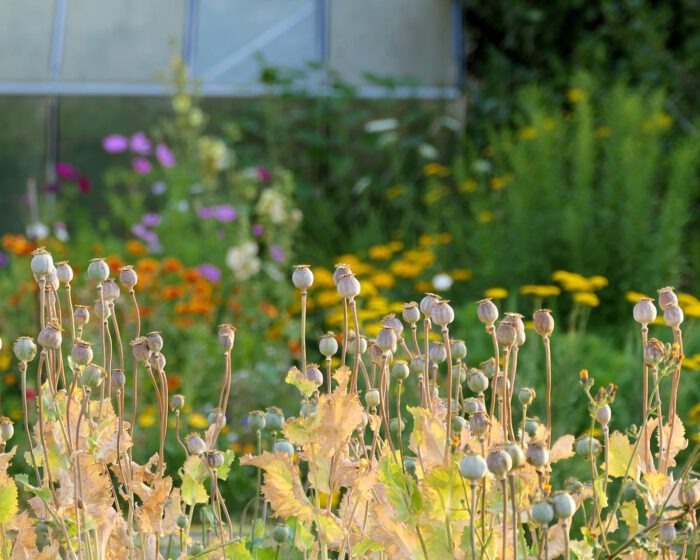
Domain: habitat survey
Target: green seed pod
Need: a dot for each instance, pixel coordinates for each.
(629, 492)
(542, 513)
(24, 349)
(531, 426)
(283, 446)
(196, 549)
(274, 419)
(395, 427)
(118, 378)
(351, 343)
(690, 494)
(102, 310)
(563, 505)
(256, 420)
(64, 272)
(410, 465)
(587, 447)
(302, 277)
(92, 376)
(473, 467)
(526, 396)
(328, 345)
(418, 364)
(516, 455)
(98, 270)
(7, 429)
(42, 262)
(372, 398)
(458, 424)
(216, 418)
(667, 534)
(458, 348)
(537, 455)
(400, 370)
(281, 534)
(473, 406)
(182, 521)
(477, 381)
(603, 415)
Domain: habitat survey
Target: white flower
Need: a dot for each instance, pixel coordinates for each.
(428, 151)
(271, 204)
(243, 260)
(37, 231)
(442, 282)
(381, 125)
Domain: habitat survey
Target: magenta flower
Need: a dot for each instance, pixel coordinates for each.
(205, 213)
(225, 213)
(115, 143)
(84, 184)
(141, 165)
(164, 155)
(258, 230)
(277, 253)
(263, 174)
(140, 144)
(67, 172)
(210, 272)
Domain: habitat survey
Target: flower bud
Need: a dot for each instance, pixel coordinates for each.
(537, 455)
(313, 374)
(372, 398)
(603, 415)
(302, 277)
(91, 376)
(516, 455)
(195, 444)
(587, 447)
(542, 513)
(24, 349)
(118, 378)
(283, 446)
(274, 419)
(227, 336)
(400, 370)
(139, 346)
(81, 352)
(411, 313)
(98, 270)
(526, 396)
(644, 311)
(110, 290)
(341, 269)
(328, 345)
(281, 533)
(442, 313)
(386, 339)
(654, 352)
(256, 420)
(157, 361)
(438, 352)
(348, 286)
(427, 304)
(473, 467)
(214, 459)
(479, 424)
(81, 315)
(155, 341)
(64, 272)
(42, 262)
(487, 312)
(543, 322)
(177, 402)
(477, 381)
(563, 505)
(458, 349)
(506, 334)
(7, 429)
(128, 277)
(499, 462)
(673, 315)
(667, 297)
(50, 336)
(393, 322)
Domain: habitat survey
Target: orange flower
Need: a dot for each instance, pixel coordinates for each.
(136, 248)
(174, 382)
(172, 265)
(147, 265)
(268, 309)
(191, 274)
(17, 244)
(172, 292)
(114, 262)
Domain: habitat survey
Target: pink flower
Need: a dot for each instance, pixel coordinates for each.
(164, 155)
(67, 172)
(115, 143)
(140, 144)
(258, 230)
(141, 165)
(263, 174)
(84, 184)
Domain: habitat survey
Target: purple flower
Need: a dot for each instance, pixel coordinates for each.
(159, 188)
(164, 155)
(205, 213)
(3, 260)
(258, 230)
(263, 174)
(225, 213)
(140, 144)
(67, 172)
(115, 143)
(210, 272)
(150, 219)
(277, 253)
(139, 230)
(141, 165)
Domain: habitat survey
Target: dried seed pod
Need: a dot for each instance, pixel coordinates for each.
(411, 312)
(64, 272)
(50, 336)
(155, 341)
(214, 459)
(81, 315)
(195, 444)
(477, 381)
(542, 513)
(644, 311)
(216, 418)
(24, 349)
(506, 334)
(7, 429)
(474, 406)
(499, 462)
(157, 361)
(372, 398)
(673, 315)
(302, 277)
(177, 402)
(314, 374)
(274, 419)
(400, 370)
(603, 415)
(654, 352)
(349, 286)
(81, 353)
(128, 277)
(479, 424)
(537, 455)
(102, 309)
(139, 346)
(42, 262)
(667, 297)
(458, 349)
(386, 339)
(227, 336)
(516, 455)
(667, 535)
(543, 322)
(427, 304)
(351, 343)
(257, 420)
(394, 322)
(587, 447)
(341, 269)
(417, 364)
(92, 376)
(110, 290)
(487, 312)
(438, 352)
(118, 378)
(98, 270)
(442, 313)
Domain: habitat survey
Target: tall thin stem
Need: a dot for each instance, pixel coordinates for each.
(448, 434)
(548, 396)
(303, 331)
(356, 363)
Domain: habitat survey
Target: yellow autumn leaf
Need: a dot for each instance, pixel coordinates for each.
(8, 500)
(428, 437)
(329, 528)
(656, 482)
(674, 447)
(630, 516)
(563, 448)
(298, 379)
(338, 417)
(621, 454)
(150, 514)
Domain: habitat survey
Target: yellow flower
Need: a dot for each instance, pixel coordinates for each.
(484, 217)
(425, 240)
(327, 298)
(663, 120)
(435, 194)
(323, 278)
(692, 310)
(694, 414)
(496, 293)
(634, 297)
(540, 290)
(380, 252)
(572, 282)
(588, 299)
(382, 280)
(405, 269)
(444, 238)
(548, 123)
(435, 170)
(396, 191)
(423, 257)
(468, 186)
(687, 300)
(528, 133)
(576, 95)
(461, 274)
(497, 183)
(603, 131)
(598, 282)
(198, 421)
(423, 286)
(691, 364)
(147, 419)
(395, 245)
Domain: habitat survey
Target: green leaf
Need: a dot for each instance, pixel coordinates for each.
(435, 537)
(267, 553)
(303, 538)
(365, 546)
(401, 490)
(298, 379)
(195, 469)
(444, 486)
(41, 491)
(237, 551)
(225, 469)
(193, 492)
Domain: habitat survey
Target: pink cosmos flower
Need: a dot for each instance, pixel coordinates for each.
(165, 155)
(115, 143)
(141, 165)
(140, 144)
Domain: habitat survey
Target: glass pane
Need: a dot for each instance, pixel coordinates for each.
(25, 32)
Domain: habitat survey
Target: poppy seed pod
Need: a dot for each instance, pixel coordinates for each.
(139, 346)
(531, 426)
(157, 361)
(409, 463)
(281, 534)
(526, 396)
(487, 312)
(182, 521)
(516, 455)
(314, 374)
(400, 370)
(644, 311)
(690, 495)
(667, 297)
(257, 420)
(118, 378)
(537, 455)
(477, 381)
(128, 277)
(283, 446)
(386, 339)
(438, 352)
(395, 427)
(177, 402)
(473, 467)
(499, 462)
(110, 290)
(479, 424)
(411, 312)
(52, 282)
(351, 343)
(341, 269)
(348, 286)
(155, 341)
(102, 310)
(427, 304)
(563, 505)
(195, 444)
(24, 349)
(302, 277)
(92, 376)
(376, 353)
(393, 322)
(81, 353)
(227, 336)
(587, 447)
(603, 415)
(98, 270)
(372, 398)
(7, 429)
(458, 424)
(417, 364)
(274, 419)
(214, 459)
(667, 534)
(473, 406)
(506, 334)
(442, 313)
(458, 349)
(216, 418)
(328, 345)
(673, 316)
(516, 319)
(42, 262)
(654, 352)
(543, 322)
(81, 315)
(50, 336)
(542, 513)
(64, 272)
(501, 385)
